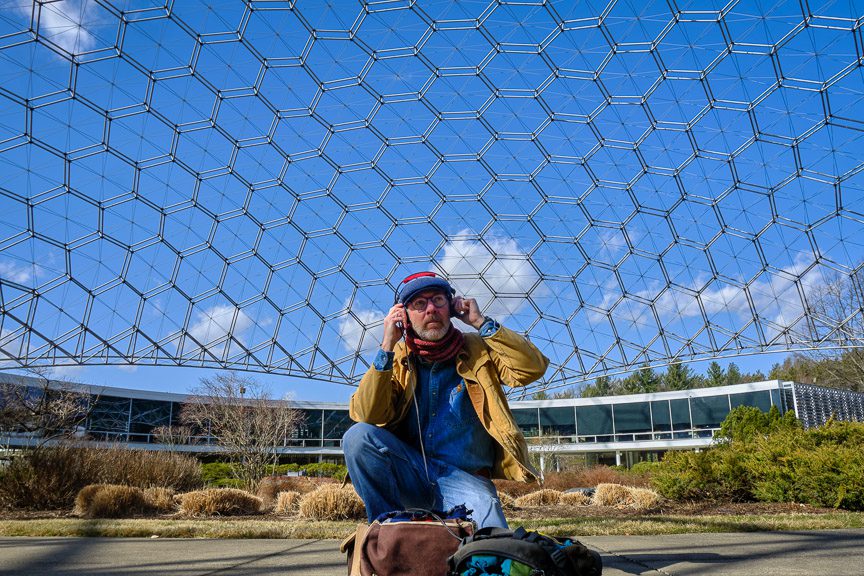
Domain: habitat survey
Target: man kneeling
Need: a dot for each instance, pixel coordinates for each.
(433, 425)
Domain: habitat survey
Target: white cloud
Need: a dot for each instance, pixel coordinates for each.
(351, 330)
(67, 371)
(17, 273)
(496, 272)
(212, 327)
(63, 22)
(775, 298)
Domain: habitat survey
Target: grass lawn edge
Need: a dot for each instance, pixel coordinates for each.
(296, 528)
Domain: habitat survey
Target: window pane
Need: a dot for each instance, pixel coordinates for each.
(680, 414)
(557, 421)
(632, 417)
(148, 414)
(593, 420)
(709, 412)
(761, 400)
(526, 419)
(110, 414)
(660, 416)
(336, 423)
(309, 430)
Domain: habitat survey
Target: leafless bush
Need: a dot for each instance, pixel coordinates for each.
(110, 501)
(591, 476)
(287, 503)
(50, 478)
(574, 499)
(332, 502)
(220, 502)
(544, 497)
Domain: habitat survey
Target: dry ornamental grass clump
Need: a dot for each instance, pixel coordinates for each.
(644, 498)
(160, 499)
(612, 495)
(332, 502)
(110, 501)
(507, 501)
(287, 503)
(270, 486)
(625, 496)
(574, 499)
(545, 497)
(220, 502)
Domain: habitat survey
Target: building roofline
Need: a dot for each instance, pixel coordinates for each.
(138, 394)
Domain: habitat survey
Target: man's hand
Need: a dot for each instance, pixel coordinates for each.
(392, 330)
(468, 312)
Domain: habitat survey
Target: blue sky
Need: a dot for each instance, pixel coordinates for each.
(243, 185)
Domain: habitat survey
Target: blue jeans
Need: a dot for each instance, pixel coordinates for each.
(389, 475)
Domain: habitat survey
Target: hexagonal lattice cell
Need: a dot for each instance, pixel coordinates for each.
(244, 184)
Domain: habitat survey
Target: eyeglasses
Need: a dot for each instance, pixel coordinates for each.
(420, 304)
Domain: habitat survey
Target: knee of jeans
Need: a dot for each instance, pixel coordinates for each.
(357, 437)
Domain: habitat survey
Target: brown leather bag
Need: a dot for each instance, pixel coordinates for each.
(415, 548)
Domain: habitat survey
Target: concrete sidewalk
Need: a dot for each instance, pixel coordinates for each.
(834, 552)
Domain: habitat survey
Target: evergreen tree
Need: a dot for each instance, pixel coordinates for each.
(716, 375)
(602, 387)
(678, 377)
(733, 374)
(642, 381)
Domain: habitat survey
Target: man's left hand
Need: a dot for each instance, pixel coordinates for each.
(468, 312)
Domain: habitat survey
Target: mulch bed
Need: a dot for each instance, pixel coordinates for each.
(544, 512)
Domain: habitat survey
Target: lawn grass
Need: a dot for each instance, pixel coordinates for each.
(306, 529)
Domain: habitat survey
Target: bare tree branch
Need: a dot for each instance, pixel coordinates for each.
(247, 423)
(42, 409)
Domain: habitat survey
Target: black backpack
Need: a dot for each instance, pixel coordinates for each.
(499, 552)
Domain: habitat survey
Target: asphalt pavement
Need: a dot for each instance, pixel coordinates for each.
(828, 552)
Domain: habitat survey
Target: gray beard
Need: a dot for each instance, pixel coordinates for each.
(432, 334)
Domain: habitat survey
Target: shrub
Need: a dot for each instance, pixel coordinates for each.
(110, 501)
(287, 503)
(821, 467)
(507, 501)
(574, 499)
(220, 502)
(591, 476)
(644, 468)
(219, 475)
(326, 469)
(612, 495)
(51, 477)
(544, 497)
(332, 502)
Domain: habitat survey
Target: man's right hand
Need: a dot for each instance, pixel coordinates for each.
(393, 322)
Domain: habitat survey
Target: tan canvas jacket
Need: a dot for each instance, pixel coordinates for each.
(505, 358)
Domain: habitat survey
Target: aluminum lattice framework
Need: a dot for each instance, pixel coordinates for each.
(242, 184)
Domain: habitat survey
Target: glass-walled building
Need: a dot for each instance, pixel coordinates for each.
(615, 429)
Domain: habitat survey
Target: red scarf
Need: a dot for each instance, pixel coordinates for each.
(443, 349)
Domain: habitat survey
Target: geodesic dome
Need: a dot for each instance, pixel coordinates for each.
(242, 184)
